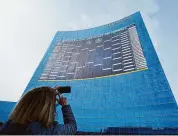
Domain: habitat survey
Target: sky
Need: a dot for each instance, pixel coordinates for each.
(28, 26)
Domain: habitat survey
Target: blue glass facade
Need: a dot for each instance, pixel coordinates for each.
(138, 98)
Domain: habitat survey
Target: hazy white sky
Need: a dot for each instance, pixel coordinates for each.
(28, 26)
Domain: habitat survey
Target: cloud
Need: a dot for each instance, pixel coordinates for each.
(28, 26)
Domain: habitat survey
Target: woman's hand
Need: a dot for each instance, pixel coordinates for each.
(56, 88)
(62, 101)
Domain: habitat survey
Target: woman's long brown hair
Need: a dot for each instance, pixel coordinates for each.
(36, 105)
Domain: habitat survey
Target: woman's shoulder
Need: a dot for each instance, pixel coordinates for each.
(9, 124)
(33, 127)
(9, 127)
(39, 129)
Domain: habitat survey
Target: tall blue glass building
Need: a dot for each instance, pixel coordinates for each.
(118, 84)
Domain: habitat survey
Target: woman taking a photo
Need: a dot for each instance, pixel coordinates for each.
(35, 114)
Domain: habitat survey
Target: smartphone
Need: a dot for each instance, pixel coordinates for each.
(64, 89)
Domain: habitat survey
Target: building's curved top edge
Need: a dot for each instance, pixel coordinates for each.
(115, 22)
